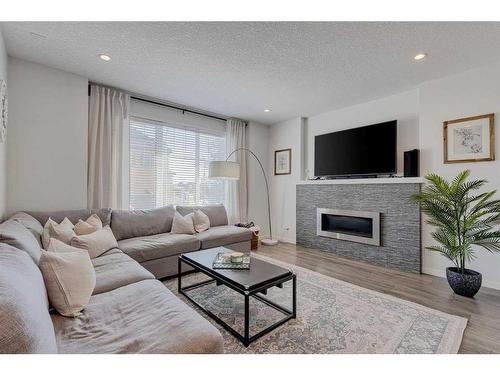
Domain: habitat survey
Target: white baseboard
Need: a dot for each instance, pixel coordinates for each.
(287, 240)
(280, 239)
(442, 273)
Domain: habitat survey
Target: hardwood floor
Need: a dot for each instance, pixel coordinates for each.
(482, 334)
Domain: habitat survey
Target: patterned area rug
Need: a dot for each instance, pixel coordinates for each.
(332, 317)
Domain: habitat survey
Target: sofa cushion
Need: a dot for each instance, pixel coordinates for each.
(73, 215)
(30, 223)
(137, 223)
(183, 224)
(158, 246)
(88, 226)
(216, 213)
(201, 221)
(112, 251)
(25, 325)
(15, 234)
(96, 243)
(143, 317)
(63, 231)
(69, 277)
(223, 235)
(115, 269)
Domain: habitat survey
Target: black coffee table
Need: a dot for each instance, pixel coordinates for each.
(249, 283)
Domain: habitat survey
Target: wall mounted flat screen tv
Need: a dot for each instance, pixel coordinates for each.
(364, 151)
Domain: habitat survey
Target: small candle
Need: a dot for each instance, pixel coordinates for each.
(236, 257)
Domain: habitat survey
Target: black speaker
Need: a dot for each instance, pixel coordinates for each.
(412, 167)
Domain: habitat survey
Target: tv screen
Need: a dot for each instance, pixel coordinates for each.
(368, 150)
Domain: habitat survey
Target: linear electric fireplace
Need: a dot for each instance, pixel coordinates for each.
(349, 225)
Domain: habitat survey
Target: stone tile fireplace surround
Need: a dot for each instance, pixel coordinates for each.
(400, 221)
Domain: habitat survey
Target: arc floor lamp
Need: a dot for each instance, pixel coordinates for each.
(230, 170)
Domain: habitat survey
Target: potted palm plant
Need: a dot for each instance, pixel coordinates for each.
(464, 221)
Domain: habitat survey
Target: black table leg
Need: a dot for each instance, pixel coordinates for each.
(247, 320)
(294, 297)
(179, 266)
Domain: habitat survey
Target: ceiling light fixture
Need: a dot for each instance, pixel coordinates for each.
(267, 110)
(420, 56)
(105, 57)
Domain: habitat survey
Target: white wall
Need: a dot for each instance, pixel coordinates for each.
(285, 135)
(47, 153)
(474, 92)
(3, 146)
(258, 142)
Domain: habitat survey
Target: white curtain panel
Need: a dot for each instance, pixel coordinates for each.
(108, 124)
(237, 191)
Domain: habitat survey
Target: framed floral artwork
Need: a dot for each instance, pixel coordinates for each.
(283, 162)
(469, 139)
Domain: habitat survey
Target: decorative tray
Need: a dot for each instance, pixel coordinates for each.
(221, 262)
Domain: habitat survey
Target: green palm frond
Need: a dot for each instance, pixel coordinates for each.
(459, 180)
(463, 221)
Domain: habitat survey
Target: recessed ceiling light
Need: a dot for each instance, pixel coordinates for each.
(105, 57)
(267, 110)
(420, 56)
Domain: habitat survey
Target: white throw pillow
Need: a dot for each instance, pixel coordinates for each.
(69, 277)
(62, 231)
(96, 243)
(183, 224)
(88, 226)
(201, 221)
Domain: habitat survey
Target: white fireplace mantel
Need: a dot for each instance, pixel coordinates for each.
(358, 181)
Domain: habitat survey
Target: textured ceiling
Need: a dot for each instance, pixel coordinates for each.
(239, 69)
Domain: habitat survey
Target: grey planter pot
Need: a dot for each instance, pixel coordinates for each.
(466, 284)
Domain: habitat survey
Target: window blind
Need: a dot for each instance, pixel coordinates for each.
(169, 165)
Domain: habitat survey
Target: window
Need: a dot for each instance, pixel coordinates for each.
(169, 165)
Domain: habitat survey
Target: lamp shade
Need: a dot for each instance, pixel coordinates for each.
(224, 170)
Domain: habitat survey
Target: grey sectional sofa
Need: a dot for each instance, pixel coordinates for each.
(130, 311)
(145, 236)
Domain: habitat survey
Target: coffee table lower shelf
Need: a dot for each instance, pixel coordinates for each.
(246, 339)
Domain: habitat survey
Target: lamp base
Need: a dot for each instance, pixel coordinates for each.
(268, 242)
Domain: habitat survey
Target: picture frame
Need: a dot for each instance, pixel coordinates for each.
(3, 111)
(283, 162)
(469, 139)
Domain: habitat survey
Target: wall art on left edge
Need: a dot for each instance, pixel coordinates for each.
(3, 111)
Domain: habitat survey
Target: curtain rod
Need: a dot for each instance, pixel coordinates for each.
(176, 107)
